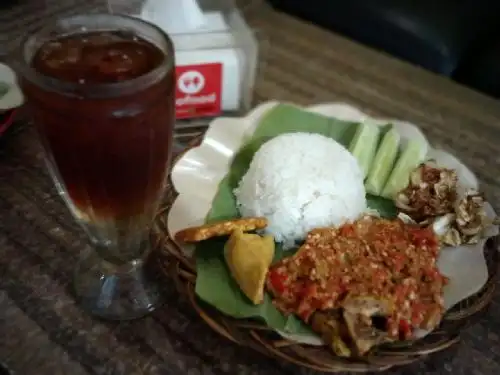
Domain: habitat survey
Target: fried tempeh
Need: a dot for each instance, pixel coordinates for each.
(221, 228)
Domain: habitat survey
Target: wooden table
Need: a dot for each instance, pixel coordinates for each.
(44, 332)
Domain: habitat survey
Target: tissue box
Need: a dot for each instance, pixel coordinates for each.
(216, 54)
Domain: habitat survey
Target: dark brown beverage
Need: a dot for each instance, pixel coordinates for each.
(110, 145)
(101, 89)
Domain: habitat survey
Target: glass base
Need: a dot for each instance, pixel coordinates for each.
(115, 292)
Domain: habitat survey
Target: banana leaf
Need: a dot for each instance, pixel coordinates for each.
(214, 284)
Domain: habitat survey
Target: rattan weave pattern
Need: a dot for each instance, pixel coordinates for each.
(257, 336)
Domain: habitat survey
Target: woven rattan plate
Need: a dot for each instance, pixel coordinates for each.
(252, 334)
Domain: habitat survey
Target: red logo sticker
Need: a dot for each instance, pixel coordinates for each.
(198, 91)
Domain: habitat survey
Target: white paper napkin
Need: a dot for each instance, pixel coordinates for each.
(174, 16)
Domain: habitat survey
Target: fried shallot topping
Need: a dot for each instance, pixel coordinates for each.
(431, 192)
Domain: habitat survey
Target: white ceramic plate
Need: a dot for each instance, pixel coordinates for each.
(196, 177)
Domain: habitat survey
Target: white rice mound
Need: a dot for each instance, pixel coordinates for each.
(301, 181)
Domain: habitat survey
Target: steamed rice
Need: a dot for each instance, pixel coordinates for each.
(301, 181)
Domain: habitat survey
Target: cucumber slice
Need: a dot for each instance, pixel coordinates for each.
(383, 162)
(413, 154)
(364, 145)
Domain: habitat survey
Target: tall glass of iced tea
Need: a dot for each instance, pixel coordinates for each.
(101, 90)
